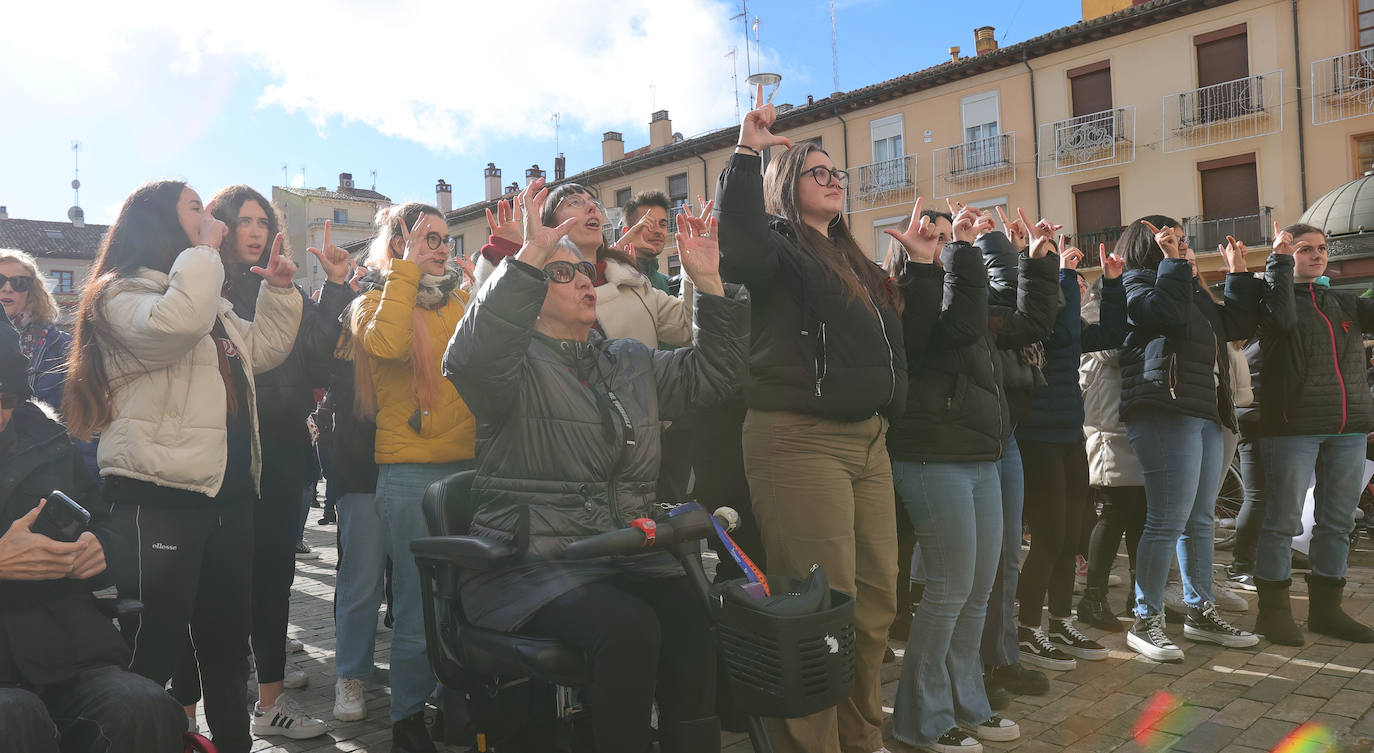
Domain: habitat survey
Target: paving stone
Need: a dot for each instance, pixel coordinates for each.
(1207, 738)
(1264, 733)
(1270, 690)
(1240, 713)
(1351, 703)
(1295, 708)
(1321, 686)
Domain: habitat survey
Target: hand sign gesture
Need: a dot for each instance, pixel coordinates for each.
(469, 271)
(1040, 234)
(505, 224)
(333, 260)
(753, 132)
(1016, 232)
(969, 223)
(212, 231)
(415, 249)
(1112, 266)
(1233, 253)
(700, 252)
(705, 207)
(1283, 241)
(1165, 237)
(921, 240)
(280, 270)
(1069, 256)
(626, 242)
(539, 241)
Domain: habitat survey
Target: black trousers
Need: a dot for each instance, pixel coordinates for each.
(193, 568)
(718, 460)
(1123, 511)
(646, 639)
(1056, 496)
(100, 710)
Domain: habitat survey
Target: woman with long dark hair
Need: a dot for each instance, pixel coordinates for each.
(164, 369)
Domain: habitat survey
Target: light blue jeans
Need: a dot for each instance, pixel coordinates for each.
(400, 489)
(1000, 646)
(358, 588)
(1289, 463)
(956, 509)
(1181, 457)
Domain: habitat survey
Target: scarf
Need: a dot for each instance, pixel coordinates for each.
(31, 338)
(435, 289)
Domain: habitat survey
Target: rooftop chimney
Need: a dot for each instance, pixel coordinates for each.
(492, 181)
(983, 39)
(4, 212)
(532, 173)
(560, 167)
(345, 181)
(954, 53)
(513, 188)
(660, 129)
(443, 196)
(612, 146)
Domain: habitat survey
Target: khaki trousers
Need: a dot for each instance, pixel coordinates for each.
(822, 494)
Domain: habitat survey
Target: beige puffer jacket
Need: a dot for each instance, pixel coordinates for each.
(169, 397)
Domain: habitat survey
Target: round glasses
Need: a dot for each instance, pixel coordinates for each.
(565, 271)
(580, 202)
(435, 241)
(826, 176)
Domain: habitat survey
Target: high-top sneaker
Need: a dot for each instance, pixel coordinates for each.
(1036, 649)
(1066, 638)
(1204, 623)
(1147, 638)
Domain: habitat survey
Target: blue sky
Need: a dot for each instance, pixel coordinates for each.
(418, 91)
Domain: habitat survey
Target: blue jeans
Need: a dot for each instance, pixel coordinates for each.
(358, 589)
(1000, 646)
(1181, 457)
(400, 488)
(1289, 463)
(956, 509)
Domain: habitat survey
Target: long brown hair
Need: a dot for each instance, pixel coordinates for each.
(839, 254)
(548, 217)
(227, 203)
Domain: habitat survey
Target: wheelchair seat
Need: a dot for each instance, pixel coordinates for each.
(458, 650)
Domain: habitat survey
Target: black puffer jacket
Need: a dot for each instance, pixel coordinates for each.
(1023, 296)
(815, 349)
(568, 433)
(1172, 354)
(1313, 350)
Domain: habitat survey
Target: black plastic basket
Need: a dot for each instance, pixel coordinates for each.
(786, 667)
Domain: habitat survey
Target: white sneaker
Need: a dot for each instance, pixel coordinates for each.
(348, 700)
(286, 718)
(294, 646)
(294, 678)
(994, 729)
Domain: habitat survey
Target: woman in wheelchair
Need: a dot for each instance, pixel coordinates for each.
(568, 447)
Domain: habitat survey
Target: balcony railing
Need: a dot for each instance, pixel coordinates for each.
(974, 165)
(1229, 111)
(1252, 229)
(1099, 139)
(1343, 87)
(888, 183)
(1088, 243)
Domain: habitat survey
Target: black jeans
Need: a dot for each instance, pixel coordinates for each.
(101, 710)
(1123, 511)
(1056, 495)
(718, 460)
(646, 639)
(1251, 515)
(193, 569)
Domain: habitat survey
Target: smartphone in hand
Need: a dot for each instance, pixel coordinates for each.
(61, 519)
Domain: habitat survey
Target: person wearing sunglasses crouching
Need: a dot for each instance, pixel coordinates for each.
(569, 426)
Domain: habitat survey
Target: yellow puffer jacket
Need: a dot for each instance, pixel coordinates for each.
(384, 326)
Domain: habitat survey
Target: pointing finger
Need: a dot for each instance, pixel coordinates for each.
(758, 97)
(1154, 230)
(328, 225)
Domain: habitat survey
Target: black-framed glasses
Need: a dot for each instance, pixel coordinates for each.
(18, 283)
(826, 176)
(435, 241)
(566, 271)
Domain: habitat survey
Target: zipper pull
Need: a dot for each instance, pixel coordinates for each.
(818, 388)
(1172, 395)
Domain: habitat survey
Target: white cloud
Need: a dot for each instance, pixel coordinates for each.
(452, 76)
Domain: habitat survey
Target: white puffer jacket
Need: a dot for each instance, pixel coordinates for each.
(168, 394)
(1111, 461)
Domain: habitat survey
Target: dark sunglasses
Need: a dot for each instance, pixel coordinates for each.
(18, 283)
(566, 271)
(9, 402)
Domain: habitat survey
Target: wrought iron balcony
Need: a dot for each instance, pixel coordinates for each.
(1098, 139)
(974, 165)
(1343, 87)
(1229, 111)
(888, 183)
(1205, 234)
(1088, 243)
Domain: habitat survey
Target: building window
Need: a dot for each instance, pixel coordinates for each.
(1230, 204)
(623, 196)
(62, 281)
(459, 247)
(55, 235)
(882, 242)
(1222, 55)
(678, 187)
(1364, 23)
(340, 216)
(1097, 216)
(1364, 153)
(1090, 88)
(982, 125)
(889, 167)
(816, 142)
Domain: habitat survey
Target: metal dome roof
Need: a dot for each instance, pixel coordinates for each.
(1345, 210)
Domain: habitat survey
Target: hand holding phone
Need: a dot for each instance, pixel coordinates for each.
(62, 519)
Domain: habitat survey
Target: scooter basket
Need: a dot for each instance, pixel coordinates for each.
(786, 666)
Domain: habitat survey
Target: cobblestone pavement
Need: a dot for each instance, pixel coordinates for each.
(1229, 700)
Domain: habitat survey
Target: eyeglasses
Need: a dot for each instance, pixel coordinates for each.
(9, 402)
(566, 271)
(18, 283)
(826, 176)
(580, 202)
(435, 241)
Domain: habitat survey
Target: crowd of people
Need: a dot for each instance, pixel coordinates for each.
(904, 425)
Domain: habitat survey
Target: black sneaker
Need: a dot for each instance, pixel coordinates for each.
(1036, 649)
(994, 729)
(955, 741)
(1147, 638)
(998, 696)
(1020, 681)
(410, 735)
(1238, 580)
(1066, 638)
(1205, 624)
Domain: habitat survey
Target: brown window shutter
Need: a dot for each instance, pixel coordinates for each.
(1225, 59)
(1092, 92)
(1230, 191)
(1097, 209)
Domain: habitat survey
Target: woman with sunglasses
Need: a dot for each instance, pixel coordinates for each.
(410, 306)
(627, 303)
(571, 421)
(827, 372)
(31, 310)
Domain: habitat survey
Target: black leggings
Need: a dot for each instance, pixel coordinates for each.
(1123, 511)
(1252, 510)
(647, 639)
(1056, 496)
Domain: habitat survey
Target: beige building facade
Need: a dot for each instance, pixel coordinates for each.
(304, 211)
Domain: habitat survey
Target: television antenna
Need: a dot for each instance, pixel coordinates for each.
(834, 47)
(744, 14)
(734, 77)
(556, 118)
(285, 181)
(373, 173)
(75, 215)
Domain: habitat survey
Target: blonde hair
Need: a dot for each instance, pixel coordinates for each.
(42, 308)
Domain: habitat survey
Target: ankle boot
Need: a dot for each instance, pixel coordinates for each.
(1275, 621)
(1325, 615)
(411, 736)
(695, 736)
(1094, 610)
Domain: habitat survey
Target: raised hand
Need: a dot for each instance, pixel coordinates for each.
(1233, 253)
(356, 278)
(505, 224)
(280, 270)
(1069, 256)
(920, 239)
(212, 231)
(469, 271)
(1167, 240)
(753, 131)
(1283, 241)
(333, 260)
(968, 223)
(1113, 265)
(626, 242)
(1015, 230)
(1041, 234)
(705, 205)
(700, 252)
(539, 241)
